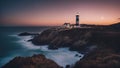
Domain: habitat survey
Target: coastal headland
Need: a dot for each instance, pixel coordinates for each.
(99, 44)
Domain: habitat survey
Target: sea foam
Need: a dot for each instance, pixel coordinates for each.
(61, 56)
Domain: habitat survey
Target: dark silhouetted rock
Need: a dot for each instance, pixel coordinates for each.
(27, 34)
(76, 55)
(67, 66)
(101, 45)
(36, 61)
(100, 59)
(73, 38)
(77, 39)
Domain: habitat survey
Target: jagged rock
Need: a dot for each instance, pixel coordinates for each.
(67, 66)
(36, 61)
(76, 55)
(27, 34)
(100, 59)
(76, 39)
(105, 42)
(62, 38)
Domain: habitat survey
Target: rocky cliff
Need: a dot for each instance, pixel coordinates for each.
(100, 58)
(77, 39)
(102, 45)
(73, 38)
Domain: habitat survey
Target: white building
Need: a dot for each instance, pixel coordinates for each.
(76, 25)
(67, 25)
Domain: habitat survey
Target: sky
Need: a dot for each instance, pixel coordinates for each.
(57, 12)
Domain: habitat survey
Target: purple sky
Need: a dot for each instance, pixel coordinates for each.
(56, 12)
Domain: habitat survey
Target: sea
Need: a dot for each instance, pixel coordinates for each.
(12, 45)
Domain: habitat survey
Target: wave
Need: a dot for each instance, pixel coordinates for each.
(61, 56)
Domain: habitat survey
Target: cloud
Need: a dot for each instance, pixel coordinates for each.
(118, 18)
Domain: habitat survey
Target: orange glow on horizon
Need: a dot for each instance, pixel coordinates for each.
(57, 13)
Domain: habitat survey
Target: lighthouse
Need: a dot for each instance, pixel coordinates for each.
(77, 20)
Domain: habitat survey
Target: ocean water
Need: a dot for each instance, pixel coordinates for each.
(12, 45)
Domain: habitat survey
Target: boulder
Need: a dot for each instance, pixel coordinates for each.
(36, 61)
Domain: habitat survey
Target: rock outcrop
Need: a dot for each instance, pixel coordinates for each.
(27, 34)
(102, 45)
(36, 61)
(104, 58)
(77, 39)
(73, 38)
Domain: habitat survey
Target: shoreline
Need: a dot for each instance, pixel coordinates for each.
(101, 46)
(98, 42)
(50, 54)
